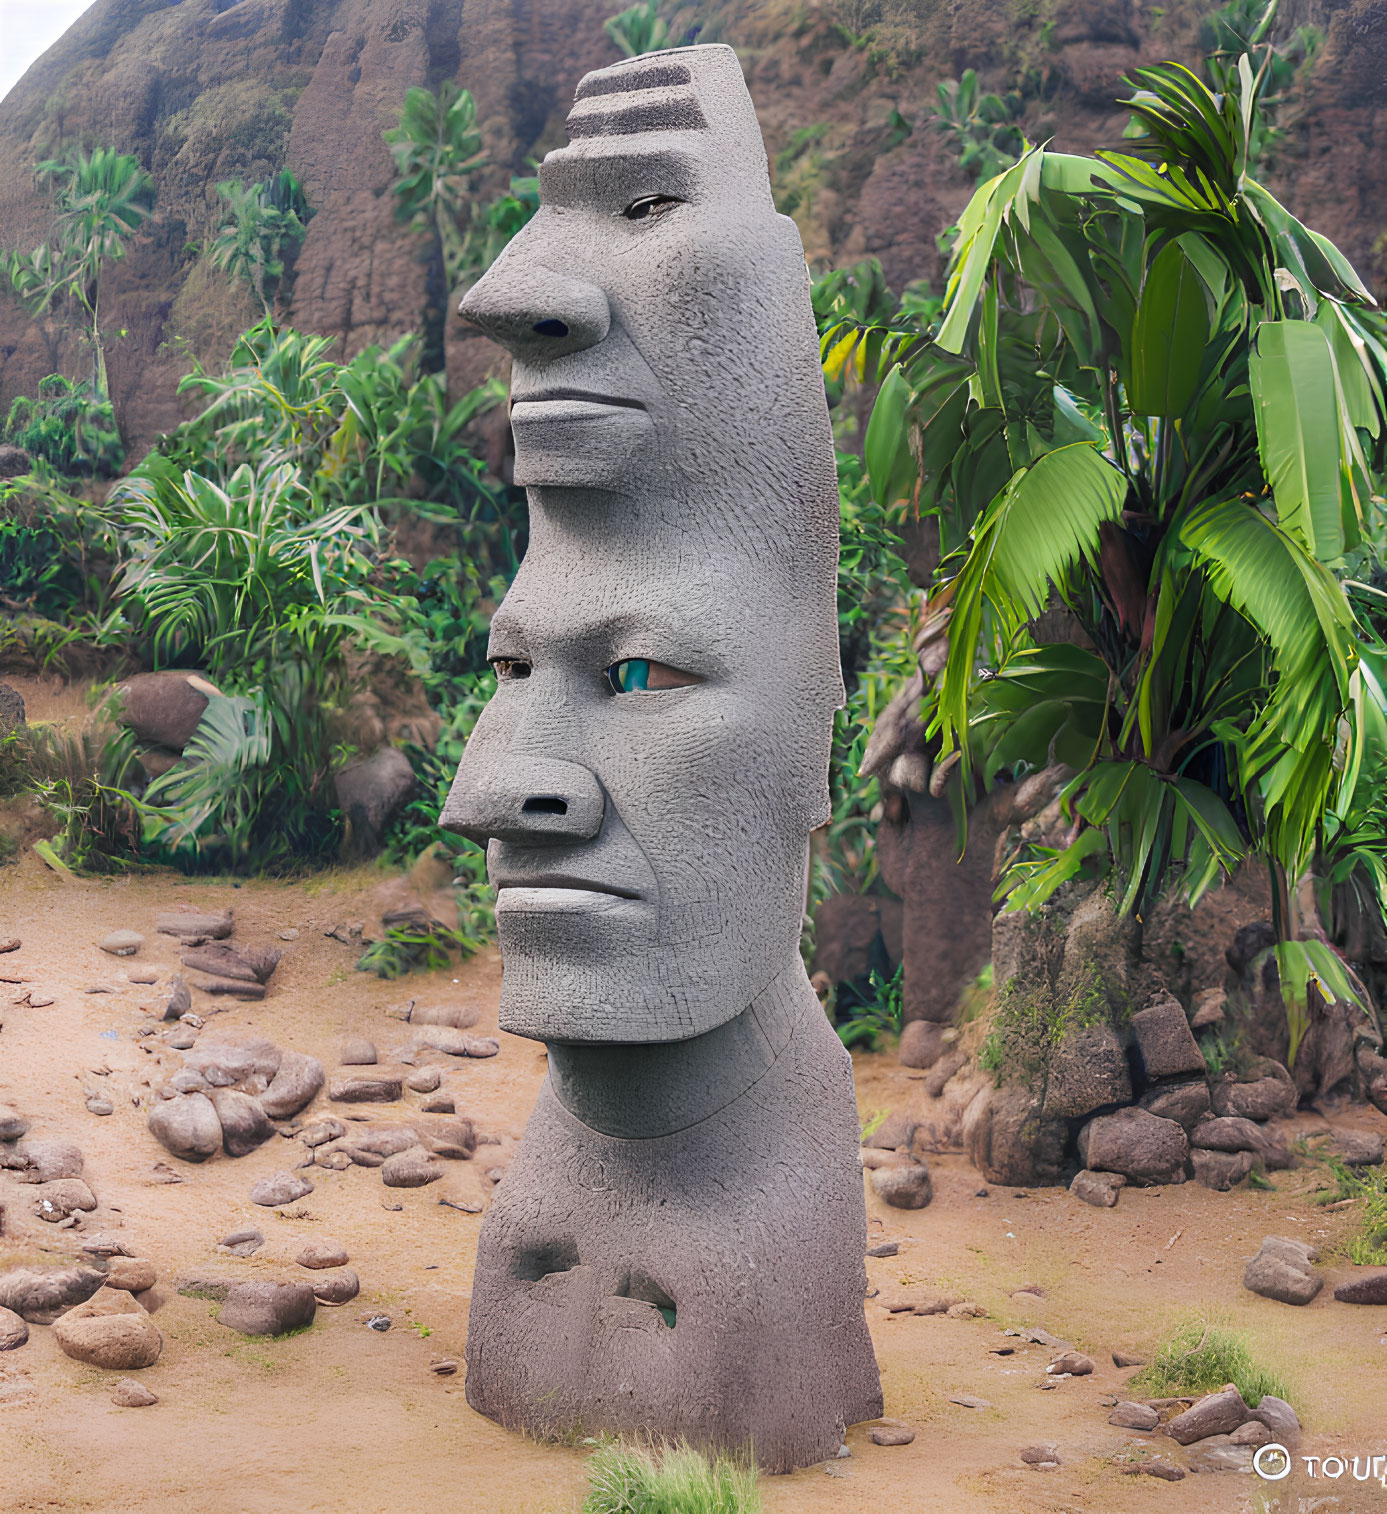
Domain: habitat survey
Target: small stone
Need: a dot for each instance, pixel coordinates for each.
(122, 943)
(439, 1103)
(445, 1368)
(1072, 1364)
(110, 1330)
(1098, 1188)
(14, 1330)
(244, 1241)
(1220, 1453)
(1216, 1414)
(336, 1287)
(98, 1105)
(366, 1088)
(905, 1187)
(967, 1309)
(1129, 1416)
(357, 1051)
(1165, 1470)
(378, 1322)
(188, 923)
(411, 1169)
(1363, 1290)
(128, 1394)
(458, 1016)
(13, 1125)
(54, 1202)
(282, 1188)
(891, 1435)
(481, 1046)
(1359, 1148)
(1208, 1009)
(289, 935)
(293, 1086)
(967, 1401)
(144, 976)
(1126, 1359)
(1254, 1433)
(888, 1248)
(323, 1253)
(131, 1274)
(1281, 1270)
(180, 999)
(183, 1039)
(424, 1080)
(1220, 1170)
(268, 1308)
(320, 1132)
(1044, 1453)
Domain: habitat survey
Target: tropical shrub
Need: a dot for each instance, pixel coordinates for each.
(1152, 413)
(68, 426)
(639, 29)
(983, 130)
(266, 221)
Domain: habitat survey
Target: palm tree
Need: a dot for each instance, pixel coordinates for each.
(264, 220)
(1154, 404)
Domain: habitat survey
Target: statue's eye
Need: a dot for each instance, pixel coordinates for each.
(650, 205)
(638, 674)
(507, 668)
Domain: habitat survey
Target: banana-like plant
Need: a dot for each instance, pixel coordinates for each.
(1154, 403)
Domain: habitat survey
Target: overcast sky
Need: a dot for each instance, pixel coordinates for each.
(28, 28)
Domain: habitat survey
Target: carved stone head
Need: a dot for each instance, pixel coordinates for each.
(656, 754)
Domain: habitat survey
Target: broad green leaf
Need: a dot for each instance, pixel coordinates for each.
(1169, 334)
(890, 465)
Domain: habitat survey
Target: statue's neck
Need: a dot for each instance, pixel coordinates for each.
(637, 1092)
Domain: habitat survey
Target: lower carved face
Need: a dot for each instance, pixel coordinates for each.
(646, 777)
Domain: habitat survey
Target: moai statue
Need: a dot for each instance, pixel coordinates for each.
(677, 1249)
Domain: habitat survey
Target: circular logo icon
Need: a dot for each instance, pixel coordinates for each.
(1272, 1463)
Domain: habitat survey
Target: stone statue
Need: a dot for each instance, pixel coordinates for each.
(678, 1246)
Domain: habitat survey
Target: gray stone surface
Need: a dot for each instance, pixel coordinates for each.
(1220, 1453)
(1281, 1270)
(163, 709)
(686, 1209)
(41, 1295)
(370, 793)
(1185, 1103)
(1220, 1170)
(1129, 1416)
(263, 1307)
(1136, 1143)
(281, 1188)
(1278, 1416)
(187, 1126)
(1086, 1070)
(244, 1122)
(1359, 1148)
(1227, 1133)
(1215, 1414)
(1371, 1289)
(905, 1187)
(1261, 1099)
(1164, 1041)
(295, 1085)
(1097, 1188)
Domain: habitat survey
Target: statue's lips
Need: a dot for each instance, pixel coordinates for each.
(566, 899)
(568, 882)
(567, 404)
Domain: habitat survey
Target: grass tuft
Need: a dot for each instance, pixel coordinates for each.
(1200, 1357)
(1367, 1247)
(677, 1479)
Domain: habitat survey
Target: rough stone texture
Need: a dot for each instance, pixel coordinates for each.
(1164, 1041)
(244, 1122)
(357, 1052)
(122, 943)
(1008, 1141)
(905, 1187)
(856, 933)
(1363, 1290)
(47, 1160)
(1215, 1414)
(294, 1086)
(675, 1065)
(1087, 1070)
(922, 1043)
(1359, 1148)
(1220, 1453)
(131, 1274)
(55, 1201)
(282, 1188)
(1139, 1145)
(1220, 1170)
(13, 1125)
(891, 1435)
(323, 1252)
(370, 793)
(14, 1330)
(1282, 1270)
(456, 1016)
(1254, 1433)
(41, 1296)
(243, 1241)
(1185, 1103)
(110, 1330)
(1261, 1099)
(1278, 1416)
(425, 1080)
(128, 1394)
(1227, 1133)
(189, 923)
(412, 1168)
(268, 1308)
(163, 709)
(1128, 1416)
(1097, 1188)
(187, 1126)
(365, 1088)
(335, 1287)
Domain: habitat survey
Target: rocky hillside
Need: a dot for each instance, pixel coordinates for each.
(203, 90)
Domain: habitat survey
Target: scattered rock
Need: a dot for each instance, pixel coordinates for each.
(1216, 1414)
(245, 964)
(268, 1308)
(131, 1274)
(905, 1187)
(1164, 1040)
(1046, 1453)
(244, 1241)
(1097, 1188)
(244, 1122)
(320, 1132)
(100, 1106)
(40, 1297)
(966, 1309)
(282, 1188)
(13, 1125)
(888, 1248)
(1126, 1359)
(163, 709)
(1072, 1363)
(357, 1052)
(187, 1127)
(55, 1201)
(1220, 1170)
(439, 1103)
(411, 1169)
(336, 1287)
(180, 1001)
(892, 1435)
(1281, 1270)
(1220, 1453)
(1208, 1009)
(1359, 1148)
(1363, 1290)
(183, 1038)
(378, 1322)
(187, 924)
(365, 1088)
(110, 1330)
(234, 988)
(128, 1394)
(14, 1330)
(967, 1401)
(458, 1016)
(424, 1080)
(323, 1253)
(1227, 1133)
(445, 1368)
(47, 1160)
(289, 935)
(1278, 1416)
(294, 1086)
(122, 943)
(1136, 1143)
(1129, 1416)
(1166, 1471)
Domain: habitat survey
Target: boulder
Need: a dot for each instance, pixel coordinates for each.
(1136, 1143)
(131, 1274)
(47, 1160)
(1278, 1416)
(55, 1201)
(189, 923)
(1220, 1453)
(1281, 1270)
(282, 1188)
(13, 1125)
(357, 1051)
(40, 1297)
(1128, 1416)
(1097, 1188)
(163, 709)
(230, 1060)
(110, 1330)
(922, 1043)
(1363, 1290)
(1215, 1414)
(122, 943)
(187, 1126)
(1185, 1103)
(14, 1330)
(905, 1187)
(293, 1087)
(1208, 1008)
(1164, 1041)
(370, 793)
(323, 1253)
(365, 1088)
(1262, 1099)
(1008, 1140)
(411, 1169)
(1087, 1069)
(268, 1308)
(1220, 1170)
(1227, 1133)
(1358, 1148)
(333, 1288)
(244, 1122)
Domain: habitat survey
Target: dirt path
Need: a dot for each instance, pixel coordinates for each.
(344, 1420)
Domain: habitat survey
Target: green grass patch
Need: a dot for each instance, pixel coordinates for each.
(1367, 1246)
(1200, 1357)
(677, 1479)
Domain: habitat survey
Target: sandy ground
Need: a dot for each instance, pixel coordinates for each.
(344, 1420)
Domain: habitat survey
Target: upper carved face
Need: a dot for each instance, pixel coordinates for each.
(656, 753)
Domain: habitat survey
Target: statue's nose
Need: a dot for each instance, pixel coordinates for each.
(534, 800)
(534, 312)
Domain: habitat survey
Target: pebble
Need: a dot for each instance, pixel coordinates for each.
(122, 943)
(445, 1368)
(98, 1105)
(411, 1169)
(183, 1039)
(1045, 1453)
(289, 935)
(967, 1401)
(891, 1435)
(128, 1394)
(244, 1241)
(281, 1188)
(887, 1248)
(323, 1253)
(425, 1080)
(378, 1322)
(1129, 1416)
(336, 1287)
